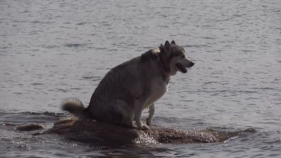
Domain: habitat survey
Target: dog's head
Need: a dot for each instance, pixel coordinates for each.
(173, 58)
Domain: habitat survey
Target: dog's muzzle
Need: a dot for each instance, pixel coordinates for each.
(182, 68)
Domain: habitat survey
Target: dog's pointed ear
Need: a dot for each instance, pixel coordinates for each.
(167, 46)
(162, 49)
(173, 42)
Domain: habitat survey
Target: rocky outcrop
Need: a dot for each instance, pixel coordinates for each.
(107, 134)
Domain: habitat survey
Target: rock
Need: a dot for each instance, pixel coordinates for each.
(30, 127)
(107, 134)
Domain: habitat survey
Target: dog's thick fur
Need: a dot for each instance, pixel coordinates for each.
(134, 85)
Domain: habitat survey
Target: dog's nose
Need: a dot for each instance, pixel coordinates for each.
(191, 64)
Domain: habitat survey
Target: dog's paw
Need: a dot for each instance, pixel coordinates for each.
(148, 121)
(143, 127)
(134, 125)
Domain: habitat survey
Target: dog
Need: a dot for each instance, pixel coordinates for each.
(127, 89)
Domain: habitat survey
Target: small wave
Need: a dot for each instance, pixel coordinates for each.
(247, 51)
(49, 46)
(17, 93)
(196, 46)
(45, 113)
(61, 90)
(37, 84)
(82, 23)
(92, 78)
(75, 88)
(264, 88)
(30, 117)
(40, 22)
(210, 82)
(75, 45)
(219, 91)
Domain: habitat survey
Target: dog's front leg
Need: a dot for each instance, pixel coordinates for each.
(151, 112)
(138, 111)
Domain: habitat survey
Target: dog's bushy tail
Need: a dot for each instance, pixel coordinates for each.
(73, 106)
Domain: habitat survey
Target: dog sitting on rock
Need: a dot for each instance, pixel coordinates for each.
(132, 86)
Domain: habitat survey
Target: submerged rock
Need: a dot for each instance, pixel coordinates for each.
(30, 127)
(107, 134)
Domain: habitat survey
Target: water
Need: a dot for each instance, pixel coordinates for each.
(51, 50)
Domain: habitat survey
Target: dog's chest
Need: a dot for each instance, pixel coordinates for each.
(158, 89)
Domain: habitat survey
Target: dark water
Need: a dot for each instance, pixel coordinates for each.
(50, 50)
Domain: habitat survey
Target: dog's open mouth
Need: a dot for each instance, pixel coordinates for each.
(181, 68)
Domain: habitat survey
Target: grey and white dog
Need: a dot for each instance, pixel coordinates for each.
(132, 86)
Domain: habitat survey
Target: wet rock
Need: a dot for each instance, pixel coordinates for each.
(30, 127)
(106, 134)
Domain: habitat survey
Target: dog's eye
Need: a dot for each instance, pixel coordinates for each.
(183, 56)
